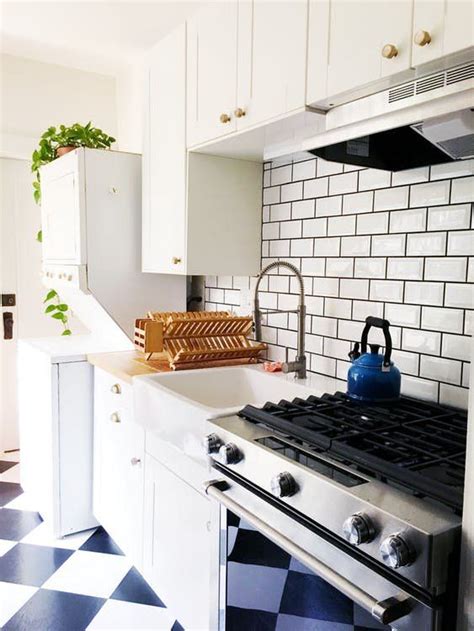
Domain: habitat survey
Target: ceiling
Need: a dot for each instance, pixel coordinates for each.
(98, 36)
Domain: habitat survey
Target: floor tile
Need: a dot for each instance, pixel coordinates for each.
(101, 541)
(119, 615)
(42, 535)
(15, 524)
(31, 565)
(10, 456)
(12, 598)
(23, 502)
(253, 548)
(177, 627)
(5, 545)
(90, 573)
(5, 465)
(8, 492)
(250, 620)
(12, 474)
(296, 623)
(55, 611)
(255, 586)
(135, 589)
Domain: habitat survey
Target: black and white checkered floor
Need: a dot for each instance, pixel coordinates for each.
(81, 582)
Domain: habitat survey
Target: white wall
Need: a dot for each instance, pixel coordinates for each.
(35, 95)
(130, 107)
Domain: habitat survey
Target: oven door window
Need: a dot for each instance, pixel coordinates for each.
(268, 590)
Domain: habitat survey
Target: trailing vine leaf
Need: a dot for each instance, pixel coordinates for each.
(58, 316)
(62, 307)
(50, 295)
(39, 236)
(66, 332)
(50, 308)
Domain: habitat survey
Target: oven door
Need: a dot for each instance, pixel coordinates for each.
(280, 575)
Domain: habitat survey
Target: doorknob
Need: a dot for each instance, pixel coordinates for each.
(7, 325)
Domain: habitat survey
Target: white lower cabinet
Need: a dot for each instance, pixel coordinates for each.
(118, 465)
(178, 544)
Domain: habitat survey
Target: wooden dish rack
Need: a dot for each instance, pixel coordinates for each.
(197, 339)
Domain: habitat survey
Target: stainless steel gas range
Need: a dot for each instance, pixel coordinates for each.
(367, 497)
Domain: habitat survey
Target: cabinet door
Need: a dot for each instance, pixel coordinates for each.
(118, 471)
(358, 33)
(177, 545)
(212, 72)
(164, 158)
(272, 59)
(449, 25)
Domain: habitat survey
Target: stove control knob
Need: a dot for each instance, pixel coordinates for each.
(396, 551)
(229, 454)
(283, 485)
(212, 443)
(358, 529)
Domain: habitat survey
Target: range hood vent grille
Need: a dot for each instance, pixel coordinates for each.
(432, 82)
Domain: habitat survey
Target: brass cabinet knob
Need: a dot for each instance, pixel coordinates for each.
(225, 118)
(116, 389)
(115, 418)
(239, 112)
(422, 38)
(176, 260)
(389, 51)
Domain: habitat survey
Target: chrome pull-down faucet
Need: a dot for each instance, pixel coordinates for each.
(299, 365)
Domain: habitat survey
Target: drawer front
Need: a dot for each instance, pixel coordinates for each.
(115, 394)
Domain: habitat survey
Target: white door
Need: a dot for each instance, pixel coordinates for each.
(359, 31)
(20, 274)
(212, 72)
(441, 27)
(271, 59)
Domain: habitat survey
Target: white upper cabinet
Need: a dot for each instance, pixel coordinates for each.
(212, 72)
(271, 78)
(367, 41)
(441, 27)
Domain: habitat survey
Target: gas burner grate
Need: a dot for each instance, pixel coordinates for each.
(416, 444)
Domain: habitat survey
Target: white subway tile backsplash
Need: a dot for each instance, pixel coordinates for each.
(459, 295)
(408, 220)
(405, 253)
(344, 183)
(405, 268)
(430, 194)
(354, 288)
(449, 217)
(342, 368)
(304, 170)
(340, 267)
(328, 206)
(466, 375)
(290, 192)
(355, 246)
(339, 226)
(461, 242)
(446, 268)
(424, 293)
(440, 369)
(370, 179)
(386, 290)
(441, 319)
(389, 245)
(463, 190)
(357, 203)
(428, 342)
(302, 209)
(316, 188)
(373, 223)
(391, 198)
(427, 244)
(403, 315)
(370, 267)
(282, 175)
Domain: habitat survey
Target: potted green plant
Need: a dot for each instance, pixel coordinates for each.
(55, 142)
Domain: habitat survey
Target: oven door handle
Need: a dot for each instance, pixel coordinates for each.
(385, 611)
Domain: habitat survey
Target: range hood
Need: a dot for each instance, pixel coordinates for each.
(442, 139)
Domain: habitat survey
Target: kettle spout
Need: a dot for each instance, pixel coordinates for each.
(354, 354)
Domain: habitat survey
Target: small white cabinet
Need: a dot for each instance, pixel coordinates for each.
(118, 465)
(178, 540)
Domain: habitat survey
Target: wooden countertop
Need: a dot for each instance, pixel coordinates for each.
(127, 364)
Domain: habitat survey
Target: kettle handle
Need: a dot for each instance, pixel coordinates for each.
(378, 323)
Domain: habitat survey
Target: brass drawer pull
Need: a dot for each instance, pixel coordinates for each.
(116, 389)
(422, 38)
(115, 418)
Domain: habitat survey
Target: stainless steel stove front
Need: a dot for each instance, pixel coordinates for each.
(415, 541)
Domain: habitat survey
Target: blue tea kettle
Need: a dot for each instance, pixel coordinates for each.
(373, 377)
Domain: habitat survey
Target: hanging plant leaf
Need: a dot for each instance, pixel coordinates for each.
(62, 307)
(51, 308)
(50, 295)
(66, 332)
(59, 316)
(39, 236)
